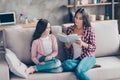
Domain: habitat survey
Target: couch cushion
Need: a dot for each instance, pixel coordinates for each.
(56, 29)
(109, 70)
(15, 65)
(18, 40)
(48, 76)
(107, 37)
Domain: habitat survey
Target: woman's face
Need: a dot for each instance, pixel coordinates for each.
(78, 20)
(47, 30)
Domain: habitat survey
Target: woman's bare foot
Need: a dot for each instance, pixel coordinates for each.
(30, 70)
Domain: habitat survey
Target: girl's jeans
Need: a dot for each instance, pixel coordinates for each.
(79, 66)
(53, 65)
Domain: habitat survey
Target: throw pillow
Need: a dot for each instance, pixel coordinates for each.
(15, 65)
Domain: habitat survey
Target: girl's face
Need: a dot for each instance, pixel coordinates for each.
(78, 20)
(47, 30)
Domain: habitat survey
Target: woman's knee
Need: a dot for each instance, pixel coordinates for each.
(69, 65)
(91, 61)
(86, 64)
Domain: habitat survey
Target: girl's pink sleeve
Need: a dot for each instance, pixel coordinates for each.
(54, 46)
(34, 52)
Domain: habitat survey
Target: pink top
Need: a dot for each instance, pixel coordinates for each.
(37, 50)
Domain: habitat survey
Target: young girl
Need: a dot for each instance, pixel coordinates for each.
(44, 49)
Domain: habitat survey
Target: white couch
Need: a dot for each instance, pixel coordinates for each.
(107, 53)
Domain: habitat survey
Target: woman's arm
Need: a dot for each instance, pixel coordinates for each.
(68, 32)
(92, 42)
(81, 43)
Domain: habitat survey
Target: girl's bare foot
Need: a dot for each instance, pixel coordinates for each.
(30, 70)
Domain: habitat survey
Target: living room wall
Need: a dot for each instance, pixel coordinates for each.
(52, 10)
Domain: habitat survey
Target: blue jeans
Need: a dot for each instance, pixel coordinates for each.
(79, 66)
(53, 65)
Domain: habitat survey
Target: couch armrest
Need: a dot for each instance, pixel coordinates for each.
(4, 70)
(119, 43)
(119, 36)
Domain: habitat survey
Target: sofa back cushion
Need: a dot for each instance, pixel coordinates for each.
(18, 40)
(106, 34)
(15, 65)
(107, 37)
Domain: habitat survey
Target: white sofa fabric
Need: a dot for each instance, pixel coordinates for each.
(109, 70)
(15, 65)
(107, 38)
(107, 52)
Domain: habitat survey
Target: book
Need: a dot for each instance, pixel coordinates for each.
(67, 38)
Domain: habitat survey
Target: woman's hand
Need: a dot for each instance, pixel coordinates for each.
(48, 58)
(68, 44)
(79, 42)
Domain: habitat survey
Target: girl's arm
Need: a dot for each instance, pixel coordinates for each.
(34, 53)
(54, 47)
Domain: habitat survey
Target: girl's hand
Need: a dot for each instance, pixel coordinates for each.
(48, 58)
(41, 62)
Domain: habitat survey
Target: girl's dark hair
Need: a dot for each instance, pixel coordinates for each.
(86, 22)
(40, 28)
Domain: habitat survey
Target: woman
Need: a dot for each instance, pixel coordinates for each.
(44, 49)
(83, 59)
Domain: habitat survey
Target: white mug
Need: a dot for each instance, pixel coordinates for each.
(78, 2)
(92, 17)
(101, 17)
